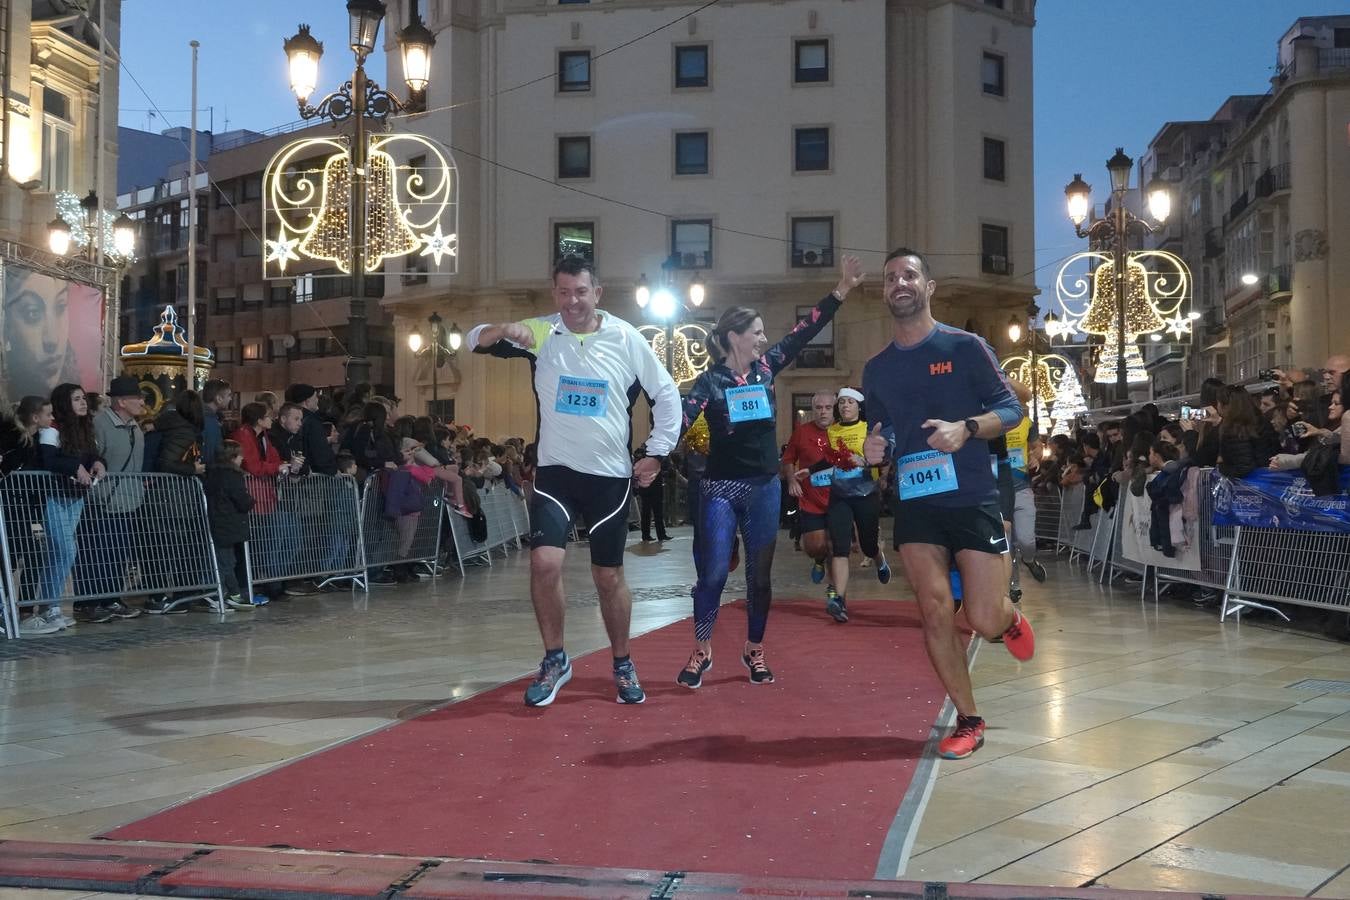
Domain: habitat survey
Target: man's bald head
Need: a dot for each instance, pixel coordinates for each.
(1334, 370)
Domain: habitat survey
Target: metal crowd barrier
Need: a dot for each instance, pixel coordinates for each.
(304, 528)
(126, 535)
(507, 521)
(1049, 505)
(382, 538)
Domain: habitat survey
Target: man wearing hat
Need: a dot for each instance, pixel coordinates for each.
(105, 547)
(313, 437)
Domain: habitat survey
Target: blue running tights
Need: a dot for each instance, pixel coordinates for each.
(725, 506)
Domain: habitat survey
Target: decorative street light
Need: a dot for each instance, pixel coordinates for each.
(442, 345)
(1038, 386)
(357, 100)
(1112, 233)
(667, 308)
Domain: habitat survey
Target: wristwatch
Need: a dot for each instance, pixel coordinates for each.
(973, 427)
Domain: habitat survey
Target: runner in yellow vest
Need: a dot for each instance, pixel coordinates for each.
(855, 501)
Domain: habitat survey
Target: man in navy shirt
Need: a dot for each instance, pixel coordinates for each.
(936, 396)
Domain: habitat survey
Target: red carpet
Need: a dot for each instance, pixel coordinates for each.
(798, 778)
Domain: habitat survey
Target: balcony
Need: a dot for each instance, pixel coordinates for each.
(1214, 243)
(993, 264)
(1239, 205)
(1280, 281)
(1273, 180)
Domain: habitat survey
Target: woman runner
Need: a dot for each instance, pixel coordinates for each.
(854, 501)
(740, 489)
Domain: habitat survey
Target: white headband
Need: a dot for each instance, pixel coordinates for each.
(851, 394)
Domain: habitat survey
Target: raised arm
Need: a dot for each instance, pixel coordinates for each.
(781, 354)
(508, 340)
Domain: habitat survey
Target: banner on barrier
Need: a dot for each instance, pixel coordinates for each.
(1136, 545)
(1271, 499)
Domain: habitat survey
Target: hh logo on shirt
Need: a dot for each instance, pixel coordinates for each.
(941, 368)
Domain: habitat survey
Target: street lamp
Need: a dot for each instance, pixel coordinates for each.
(357, 100)
(442, 343)
(1015, 330)
(665, 306)
(1114, 230)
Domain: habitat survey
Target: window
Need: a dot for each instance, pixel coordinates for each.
(304, 288)
(252, 188)
(574, 157)
(691, 153)
(224, 303)
(819, 351)
(691, 66)
(992, 73)
(811, 61)
(811, 149)
(444, 410)
(415, 268)
(574, 70)
(250, 245)
(224, 353)
(691, 243)
(996, 4)
(994, 159)
(277, 349)
(994, 250)
(812, 242)
(252, 351)
(1341, 38)
(58, 136)
(574, 239)
(252, 298)
(278, 294)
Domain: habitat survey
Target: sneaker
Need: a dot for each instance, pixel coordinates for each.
(237, 602)
(261, 600)
(1019, 638)
(626, 680)
(212, 606)
(884, 572)
(1036, 569)
(817, 572)
(866, 563)
(120, 610)
(965, 740)
(753, 660)
(384, 576)
(94, 614)
(691, 676)
(553, 674)
(834, 605)
(37, 624)
(1015, 595)
(163, 606)
(53, 615)
(303, 588)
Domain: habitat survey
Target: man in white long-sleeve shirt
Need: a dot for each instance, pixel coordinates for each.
(589, 368)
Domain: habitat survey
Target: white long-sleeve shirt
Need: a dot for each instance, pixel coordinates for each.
(585, 386)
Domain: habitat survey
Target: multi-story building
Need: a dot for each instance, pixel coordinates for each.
(264, 334)
(1259, 211)
(59, 82)
(747, 146)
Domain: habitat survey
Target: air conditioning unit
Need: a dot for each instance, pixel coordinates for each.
(816, 258)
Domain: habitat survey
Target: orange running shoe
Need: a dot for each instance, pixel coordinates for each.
(965, 740)
(1019, 638)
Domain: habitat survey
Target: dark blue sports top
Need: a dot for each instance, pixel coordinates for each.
(951, 375)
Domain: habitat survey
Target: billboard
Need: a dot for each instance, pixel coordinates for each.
(53, 333)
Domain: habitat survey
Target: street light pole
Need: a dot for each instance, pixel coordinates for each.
(435, 320)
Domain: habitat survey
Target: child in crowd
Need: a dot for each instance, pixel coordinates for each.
(228, 503)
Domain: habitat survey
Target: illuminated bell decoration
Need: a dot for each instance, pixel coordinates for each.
(386, 232)
(690, 357)
(1141, 316)
(1043, 384)
(1135, 373)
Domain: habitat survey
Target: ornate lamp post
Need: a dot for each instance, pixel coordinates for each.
(357, 100)
(1112, 233)
(443, 344)
(1015, 329)
(667, 308)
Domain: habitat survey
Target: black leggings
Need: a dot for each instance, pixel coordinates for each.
(843, 513)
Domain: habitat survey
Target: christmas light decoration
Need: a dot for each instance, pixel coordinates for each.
(1157, 295)
(1135, 373)
(689, 358)
(1102, 315)
(1050, 368)
(1069, 400)
(70, 210)
(307, 203)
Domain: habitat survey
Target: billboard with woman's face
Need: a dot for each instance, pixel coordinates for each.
(53, 333)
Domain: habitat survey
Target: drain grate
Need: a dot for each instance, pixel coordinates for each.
(1321, 684)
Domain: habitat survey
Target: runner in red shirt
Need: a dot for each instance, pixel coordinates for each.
(807, 454)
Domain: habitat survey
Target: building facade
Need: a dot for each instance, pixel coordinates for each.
(1261, 210)
(744, 146)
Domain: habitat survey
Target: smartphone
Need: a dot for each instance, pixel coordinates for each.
(1195, 413)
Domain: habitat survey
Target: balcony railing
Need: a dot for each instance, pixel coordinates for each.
(1280, 280)
(993, 264)
(1236, 209)
(1276, 178)
(1214, 243)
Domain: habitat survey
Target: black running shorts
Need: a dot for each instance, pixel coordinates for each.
(561, 495)
(808, 522)
(956, 528)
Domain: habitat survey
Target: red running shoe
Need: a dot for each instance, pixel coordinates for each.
(1019, 638)
(962, 742)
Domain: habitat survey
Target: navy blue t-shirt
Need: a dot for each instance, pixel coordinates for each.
(951, 375)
